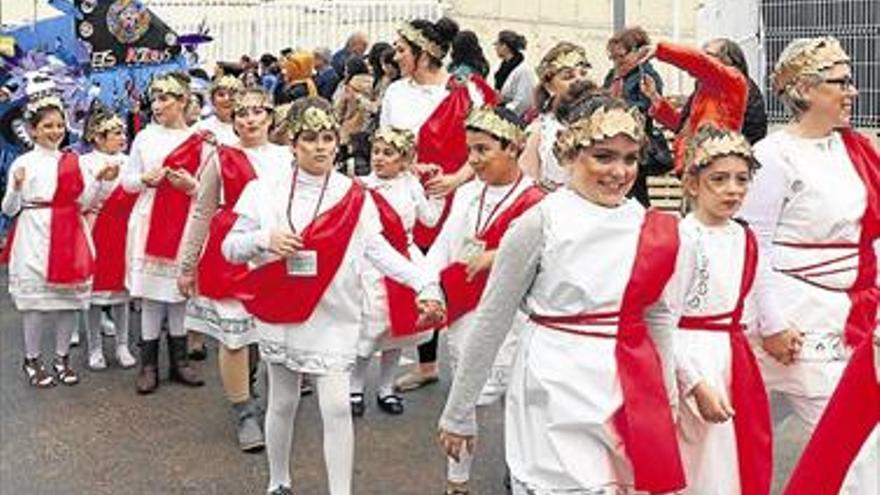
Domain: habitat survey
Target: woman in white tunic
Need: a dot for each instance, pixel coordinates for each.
(107, 219)
(588, 410)
(165, 159)
(393, 151)
(814, 208)
(564, 65)
(724, 423)
(208, 279)
(50, 253)
(306, 234)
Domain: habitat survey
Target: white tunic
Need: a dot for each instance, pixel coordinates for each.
(227, 320)
(407, 196)
(224, 132)
(149, 277)
(407, 105)
(709, 451)
(552, 173)
(94, 162)
(30, 250)
(808, 191)
(565, 256)
(518, 90)
(327, 341)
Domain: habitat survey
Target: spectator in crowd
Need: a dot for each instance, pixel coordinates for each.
(623, 81)
(326, 77)
(390, 73)
(355, 45)
(298, 69)
(514, 80)
(268, 72)
(467, 56)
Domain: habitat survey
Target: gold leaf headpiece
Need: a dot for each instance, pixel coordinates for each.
(414, 36)
(603, 123)
(817, 55)
(168, 84)
(710, 143)
(485, 120)
(570, 59)
(227, 82)
(313, 119)
(251, 99)
(102, 123)
(403, 140)
(45, 102)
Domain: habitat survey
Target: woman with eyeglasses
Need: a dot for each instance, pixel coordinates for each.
(815, 206)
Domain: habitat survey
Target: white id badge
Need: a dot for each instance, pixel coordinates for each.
(471, 249)
(303, 264)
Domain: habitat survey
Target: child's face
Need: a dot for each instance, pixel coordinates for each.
(718, 189)
(491, 160)
(111, 142)
(386, 160)
(49, 131)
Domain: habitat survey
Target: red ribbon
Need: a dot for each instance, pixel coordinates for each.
(110, 233)
(754, 437)
(462, 296)
(217, 277)
(273, 296)
(851, 415)
(171, 205)
(402, 309)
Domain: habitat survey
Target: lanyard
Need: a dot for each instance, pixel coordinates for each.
(293, 192)
(478, 232)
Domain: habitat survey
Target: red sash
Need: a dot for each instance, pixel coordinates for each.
(851, 415)
(442, 139)
(754, 438)
(273, 296)
(864, 293)
(402, 310)
(110, 233)
(171, 205)
(645, 421)
(463, 296)
(217, 277)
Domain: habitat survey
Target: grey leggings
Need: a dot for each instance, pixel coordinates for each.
(120, 314)
(62, 322)
(152, 314)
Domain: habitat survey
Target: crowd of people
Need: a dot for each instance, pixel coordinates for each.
(313, 210)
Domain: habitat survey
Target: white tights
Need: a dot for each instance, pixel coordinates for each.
(152, 314)
(34, 322)
(120, 314)
(333, 389)
(387, 371)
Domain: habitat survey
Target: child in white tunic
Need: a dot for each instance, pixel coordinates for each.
(392, 153)
(588, 407)
(50, 253)
(724, 422)
(105, 131)
(306, 234)
(157, 226)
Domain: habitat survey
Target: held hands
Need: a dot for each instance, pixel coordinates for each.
(152, 178)
(454, 445)
(284, 243)
(109, 172)
(440, 185)
(181, 179)
(648, 87)
(783, 346)
(478, 263)
(428, 170)
(186, 284)
(431, 312)
(18, 179)
(713, 407)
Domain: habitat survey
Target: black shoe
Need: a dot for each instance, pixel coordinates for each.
(198, 354)
(305, 387)
(358, 406)
(281, 490)
(391, 404)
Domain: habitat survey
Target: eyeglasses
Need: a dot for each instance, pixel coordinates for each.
(843, 83)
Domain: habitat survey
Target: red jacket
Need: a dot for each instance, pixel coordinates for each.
(720, 97)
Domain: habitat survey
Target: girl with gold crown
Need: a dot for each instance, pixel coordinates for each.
(166, 157)
(724, 421)
(50, 253)
(466, 248)
(108, 219)
(306, 233)
(816, 209)
(208, 279)
(389, 320)
(588, 406)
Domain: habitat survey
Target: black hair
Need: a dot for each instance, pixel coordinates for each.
(34, 118)
(466, 51)
(442, 33)
(573, 105)
(513, 40)
(353, 66)
(731, 54)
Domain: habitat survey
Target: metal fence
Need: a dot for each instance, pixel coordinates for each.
(254, 27)
(856, 23)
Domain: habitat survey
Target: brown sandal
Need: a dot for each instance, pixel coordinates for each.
(65, 374)
(36, 373)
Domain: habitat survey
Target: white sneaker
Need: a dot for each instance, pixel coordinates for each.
(123, 355)
(74, 338)
(96, 360)
(108, 328)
